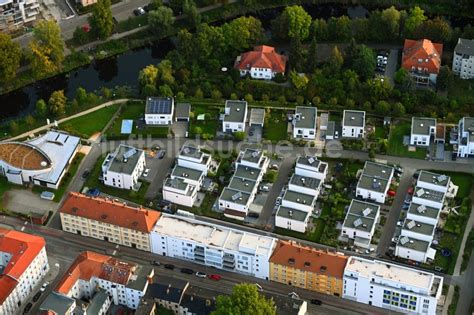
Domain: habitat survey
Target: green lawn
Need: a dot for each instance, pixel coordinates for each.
(276, 124)
(395, 142)
(207, 127)
(71, 172)
(85, 126)
(4, 187)
(463, 180)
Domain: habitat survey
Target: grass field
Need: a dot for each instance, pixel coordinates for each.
(85, 126)
(209, 125)
(4, 187)
(395, 142)
(275, 127)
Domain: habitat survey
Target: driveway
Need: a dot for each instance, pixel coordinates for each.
(159, 169)
(179, 129)
(392, 64)
(256, 136)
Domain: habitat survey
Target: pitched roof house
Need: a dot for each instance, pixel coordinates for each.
(262, 63)
(423, 59)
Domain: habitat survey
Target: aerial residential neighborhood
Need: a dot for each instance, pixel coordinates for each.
(236, 157)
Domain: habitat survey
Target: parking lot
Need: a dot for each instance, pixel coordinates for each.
(387, 62)
(254, 134)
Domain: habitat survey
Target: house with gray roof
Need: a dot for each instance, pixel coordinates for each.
(123, 167)
(466, 137)
(463, 58)
(235, 116)
(292, 219)
(159, 110)
(360, 221)
(183, 111)
(304, 122)
(414, 249)
(422, 131)
(374, 181)
(353, 124)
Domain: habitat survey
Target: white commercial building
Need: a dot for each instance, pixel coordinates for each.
(304, 122)
(392, 287)
(23, 265)
(374, 182)
(15, 13)
(42, 161)
(353, 124)
(123, 167)
(234, 117)
(159, 110)
(463, 59)
(422, 130)
(213, 245)
(466, 137)
(360, 221)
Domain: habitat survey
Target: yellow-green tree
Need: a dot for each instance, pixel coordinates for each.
(47, 49)
(10, 56)
(245, 299)
(102, 20)
(57, 103)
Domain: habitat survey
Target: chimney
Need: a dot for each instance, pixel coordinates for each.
(150, 280)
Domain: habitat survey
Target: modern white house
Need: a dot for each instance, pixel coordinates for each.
(298, 201)
(466, 137)
(418, 230)
(463, 58)
(42, 161)
(213, 245)
(123, 167)
(428, 197)
(390, 286)
(433, 181)
(159, 111)
(191, 156)
(423, 213)
(261, 63)
(235, 116)
(125, 283)
(292, 219)
(15, 13)
(23, 265)
(353, 124)
(304, 122)
(374, 182)
(310, 166)
(422, 131)
(305, 185)
(360, 221)
(414, 249)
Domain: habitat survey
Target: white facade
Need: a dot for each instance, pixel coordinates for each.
(159, 111)
(14, 13)
(304, 123)
(192, 157)
(433, 181)
(463, 59)
(258, 73)
(422, 129)
(390, 286)
(466, 137)
(235, 116)
(430, 198)
(423, 214)
(292, 219)
(312, 167)
(360, 221)
(122, 169)
(179, 192)
(353, 124)
(213, 245)
(374, 182)
(415, 250)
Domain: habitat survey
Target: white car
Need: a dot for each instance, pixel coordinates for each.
(201, 274)
(293, 295)
(43, 287)
(145, 173)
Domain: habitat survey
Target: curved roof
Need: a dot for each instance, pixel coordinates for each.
(24, 156)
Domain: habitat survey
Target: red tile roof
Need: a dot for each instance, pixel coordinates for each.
(23, 249)
(422, 50)
(262, 57)
(309, 259)
(89, 264)
(108, 211)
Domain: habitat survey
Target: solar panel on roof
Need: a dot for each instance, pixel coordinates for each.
(254, 154)
(357, 222)
(411, 225)
(404, 240)
(442, 178)
(366, 212)
(420, 192)
(421, 209)
(129, 153)
(159, 106)
(311, 160)
(236, 196)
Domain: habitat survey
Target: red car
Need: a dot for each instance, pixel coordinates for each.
(391, 193)
(215, 277)
(410, 191)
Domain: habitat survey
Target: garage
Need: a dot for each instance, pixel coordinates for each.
(182, 112)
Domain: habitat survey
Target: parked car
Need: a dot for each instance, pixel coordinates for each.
(44, 286)
(264, 188)
(316, 302)
(155, 263)
(27, 308)
(293, 295)
(274, 167)
(400, 223)
(253, 215)
(86, 174)
(215, 277)
(161, 155)
(187, 271)
(145, 172)
(169, 266)
(36, 296)
(200, 274)
(139, 11)
(391, 193)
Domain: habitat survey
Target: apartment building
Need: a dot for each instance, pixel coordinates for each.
(15, 13)
(23, 264)
(390, 286)
(360, 221)
(463, 58)
(122, 282)
(466, 137)
(422, 59)
(123, 167)
(304, 123)
(213, 245)
(307, 268)
(374, 182)
(353, 124)
(235, 116)
(108, 220)
(159, 111)
(422, 131)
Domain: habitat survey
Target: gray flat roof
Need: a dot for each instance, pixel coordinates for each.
(372, 183)
(418, 227)
(421, 125)
(57, 303)
(428, 194)
(191, 151)
(97, 301)
(141, 277)
(235, 196)
(358, 207)
(415, 244)
(257, 116)
(184, 172)
(365, 223)
(296, 215)
(242, 184)
(183, 110)
(236, 111)
(377, 170)
(433, 178)
(468, 126)
(307, 117)
(354, 118)
(159, 105)
(124, 153)
(298, 197)
(361, 215)
(423, 210)
(331, 128)
(247, 172)
(252, 155)
(465, 47)
(177, 183)
(305, 181)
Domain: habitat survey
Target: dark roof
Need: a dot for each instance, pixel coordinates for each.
(167, 289)
(465, 47)
(199, 301)
(183, 110)
(159, 105)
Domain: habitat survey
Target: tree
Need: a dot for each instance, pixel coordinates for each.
(445, 78)
(14, 128)
(312, 59)
(80, 36)
(398, 109)
(249, 98)
(165, 90)
(148, 76)
(57, 103)
(382, 108)
(30, 120)
(403, 78)
(245, 299)
(296, 54)
(242, 33)
(165, 72)
(438, 30)
(340, 28)
(101, 20)
(299, 81)
(336, 60)
(10, 56)
(47, 48)
(319, 29)
(294, 21)
(191, 12)
(216, 94)
(391, 19)
(239, 135)
(415, 18)
(161, 20)
(81, 96)
(41, 108)
(364, 62)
